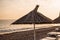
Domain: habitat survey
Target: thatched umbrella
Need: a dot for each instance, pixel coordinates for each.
(33, 17)
(57, 20)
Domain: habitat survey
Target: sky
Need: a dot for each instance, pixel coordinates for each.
(15, 9)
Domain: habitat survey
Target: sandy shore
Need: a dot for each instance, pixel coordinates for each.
(27, 35)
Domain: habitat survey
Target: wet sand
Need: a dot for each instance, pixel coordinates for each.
(27, 35)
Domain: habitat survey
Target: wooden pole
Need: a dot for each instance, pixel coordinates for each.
(34, 32)
(56, 37)
(35, 11)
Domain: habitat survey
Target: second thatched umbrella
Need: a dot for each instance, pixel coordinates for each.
(33, 17)
(57, 20)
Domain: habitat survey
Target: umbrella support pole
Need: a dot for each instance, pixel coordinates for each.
(34, 32)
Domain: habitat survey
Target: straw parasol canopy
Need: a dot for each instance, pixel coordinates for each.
(57, 20)
(33, 17)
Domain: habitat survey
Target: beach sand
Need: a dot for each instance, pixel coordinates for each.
(27, 35)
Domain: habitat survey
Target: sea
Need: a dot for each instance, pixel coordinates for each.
(7, 27)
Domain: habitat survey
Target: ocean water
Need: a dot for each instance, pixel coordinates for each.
(6, 27)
